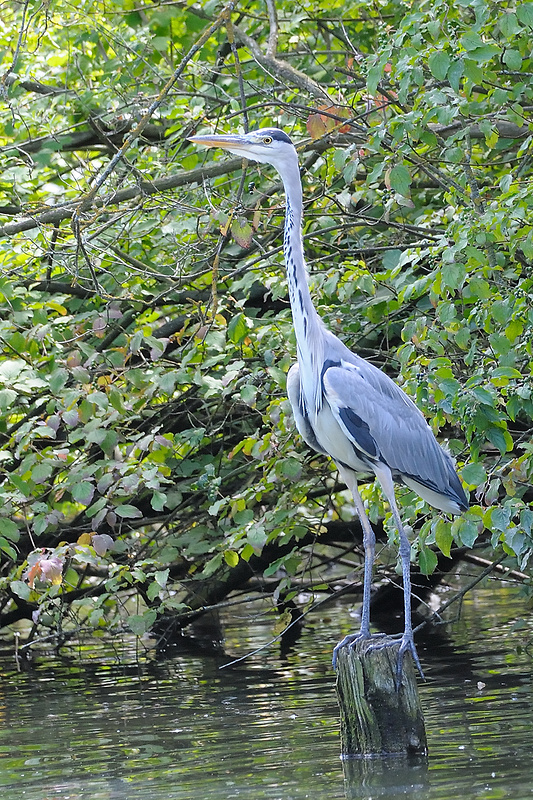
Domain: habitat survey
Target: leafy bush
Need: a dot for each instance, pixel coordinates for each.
(150, 465)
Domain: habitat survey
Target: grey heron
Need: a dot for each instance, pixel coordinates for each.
(344, 406)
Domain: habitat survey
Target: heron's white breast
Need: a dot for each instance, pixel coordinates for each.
(334, 441)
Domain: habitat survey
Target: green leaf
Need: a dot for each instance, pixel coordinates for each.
(21, 589)
(508, 24)
(453, 275)
(58, 379)
(7, 398)
(291, 468)
(462, 337)
(161, 577)
(400, 179)
(484, 53)
(242, 232)
(7, 548)
(9, 529)
(21, 485)
(483, 396)
(256, 537)
(238, 328)
(83, 492)
(500, 343)
(141, 623)
(153, 591)
(391, 258)
(128, 512)
(479, 288)
(474, 474)
(455, 73)
(513, 59)
(473, 71)
(158, 501)
(373, 77)
(439, 63)
(524, 12)
(465, 531)
(443, 536)
(505, 182)
(427, 560)
(501, 439)
(96, 507)
(499, 518)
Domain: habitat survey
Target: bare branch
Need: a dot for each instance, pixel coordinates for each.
(5, 78)
(32, 86)
(272, 45)
(136, 132)
(282, 69)
(506, 129)
(143, 188)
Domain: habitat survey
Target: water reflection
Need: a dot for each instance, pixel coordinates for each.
(118, 723)
(388, 777)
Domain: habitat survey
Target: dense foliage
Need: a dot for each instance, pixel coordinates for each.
(149, 461)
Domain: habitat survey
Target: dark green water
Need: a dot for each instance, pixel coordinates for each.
(109, 724)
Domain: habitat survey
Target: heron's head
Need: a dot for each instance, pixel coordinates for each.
(268, 145)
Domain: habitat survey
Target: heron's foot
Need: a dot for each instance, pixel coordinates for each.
(351, 640)
(407, 645)
(379, 640)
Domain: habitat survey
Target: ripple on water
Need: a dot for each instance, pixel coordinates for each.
(267, 729)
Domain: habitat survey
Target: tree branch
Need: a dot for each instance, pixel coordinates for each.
(282, 69)
(87, 201)
(272, 45)
(143, 188)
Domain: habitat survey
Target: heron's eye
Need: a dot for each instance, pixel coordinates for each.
(267, 139)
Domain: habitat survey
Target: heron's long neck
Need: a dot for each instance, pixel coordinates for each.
(307, 323)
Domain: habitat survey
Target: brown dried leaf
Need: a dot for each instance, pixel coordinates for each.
(315, 126)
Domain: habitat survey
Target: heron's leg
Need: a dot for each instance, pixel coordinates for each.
(408, 644)
(369, 545)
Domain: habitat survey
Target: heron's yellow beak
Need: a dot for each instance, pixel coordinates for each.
(233, 143)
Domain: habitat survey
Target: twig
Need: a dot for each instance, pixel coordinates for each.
(281, 69)
(477, 201)
(141, 188)
(5, 76)
(86, 202)
(272, 45)
(67, 210)
(31, 86)
(238, 70)
(297, 621)
(497, 567)
(436, 616)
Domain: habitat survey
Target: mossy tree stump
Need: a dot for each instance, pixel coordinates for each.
(378, 718)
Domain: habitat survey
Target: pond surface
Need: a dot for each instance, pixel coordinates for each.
(123, 724)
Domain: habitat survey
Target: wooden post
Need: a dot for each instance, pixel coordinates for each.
(377, 719)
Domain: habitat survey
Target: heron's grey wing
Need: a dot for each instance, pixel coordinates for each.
(299, 409)
(384, 424)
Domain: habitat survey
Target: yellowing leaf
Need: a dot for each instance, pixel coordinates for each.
(231, 558)
(242, 232)
(57, 307)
